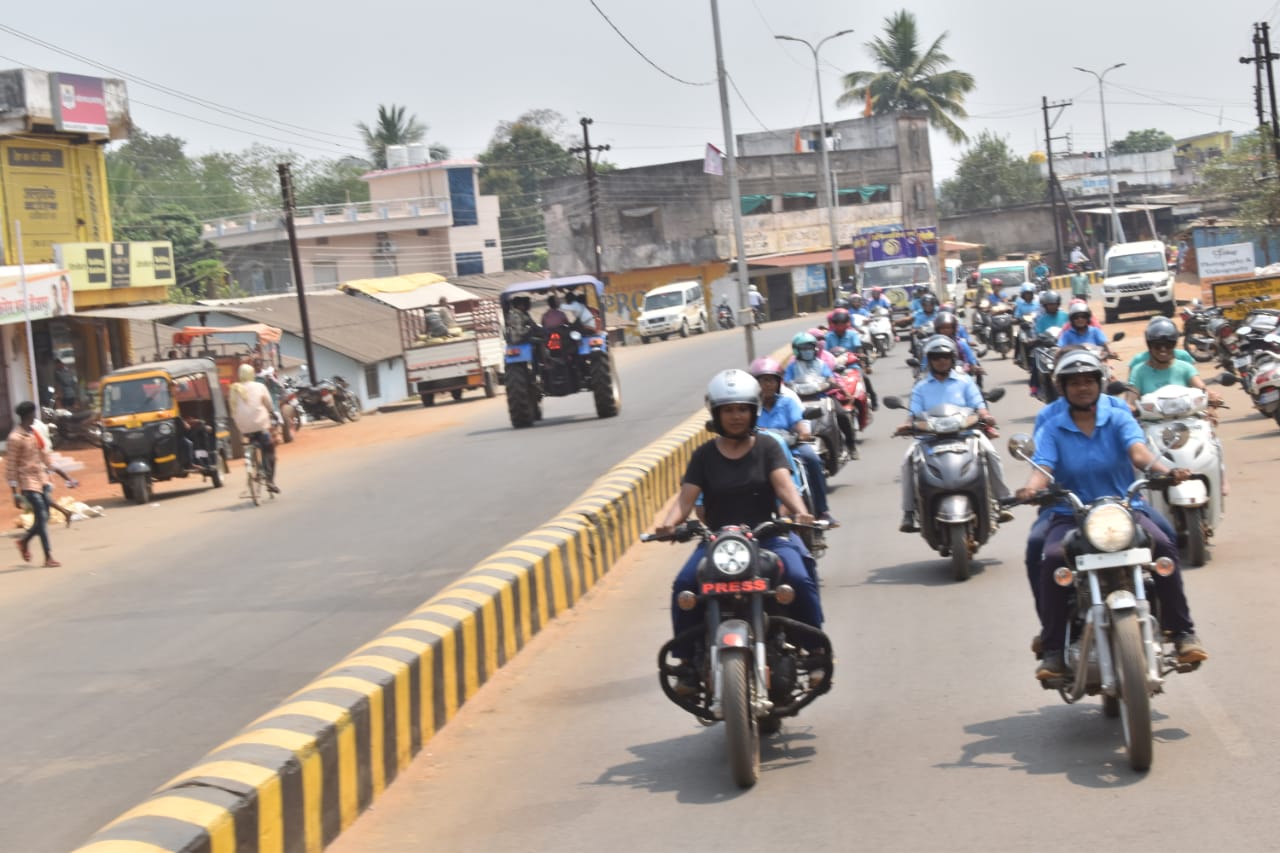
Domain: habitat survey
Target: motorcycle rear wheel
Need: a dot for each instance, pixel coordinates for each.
(1135, 702)
(960, 565)
(742, 734)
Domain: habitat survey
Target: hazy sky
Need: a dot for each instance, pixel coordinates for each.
(311, 70)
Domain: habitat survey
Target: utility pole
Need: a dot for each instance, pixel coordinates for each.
(1268, 56)
(593, 193)
(1053, 180)
(286, 192)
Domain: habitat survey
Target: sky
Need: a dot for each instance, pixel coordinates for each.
(307, 72)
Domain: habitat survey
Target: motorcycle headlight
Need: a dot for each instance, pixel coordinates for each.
(1109, 527)
(165, 428)
(1175, 435)
(731, 556)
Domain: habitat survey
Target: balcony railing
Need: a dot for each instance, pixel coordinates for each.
(329, 214)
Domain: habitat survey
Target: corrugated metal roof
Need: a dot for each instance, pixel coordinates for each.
(492, 284)
(360, 328)
(151, 312)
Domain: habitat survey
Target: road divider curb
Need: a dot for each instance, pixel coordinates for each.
(296, 777)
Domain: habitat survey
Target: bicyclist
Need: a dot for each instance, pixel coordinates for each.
(252, 411)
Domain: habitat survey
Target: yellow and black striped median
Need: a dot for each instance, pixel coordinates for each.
(301, 773)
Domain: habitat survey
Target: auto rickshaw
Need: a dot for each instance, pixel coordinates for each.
(162, 420)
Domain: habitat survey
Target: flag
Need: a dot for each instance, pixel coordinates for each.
(713, 162)
(866, 110)
(799, 145)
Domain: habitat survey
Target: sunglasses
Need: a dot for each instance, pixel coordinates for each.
(1160, 345)
(938, 356)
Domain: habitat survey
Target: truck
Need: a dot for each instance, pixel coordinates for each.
(469, 358)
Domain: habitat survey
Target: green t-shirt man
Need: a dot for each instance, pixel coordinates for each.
(1146, 379)
(1080, 285)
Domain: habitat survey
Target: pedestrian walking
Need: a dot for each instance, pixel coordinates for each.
(27, 463)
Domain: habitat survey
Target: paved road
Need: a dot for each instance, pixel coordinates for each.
(935, 736)
(174, 625)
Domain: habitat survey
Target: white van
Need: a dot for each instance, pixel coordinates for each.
(1137, 272)
(675, 308)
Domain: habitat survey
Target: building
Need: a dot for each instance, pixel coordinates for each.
(421, 217)
(674, 221)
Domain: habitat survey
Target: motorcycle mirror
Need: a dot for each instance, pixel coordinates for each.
(912, 361)
(1227, 379)
(1115, 388)
(1118, 336)
(1022, 446)
(1195, 303)
(893, 403)
(995, 395)
(812, 413)
(1244, 331)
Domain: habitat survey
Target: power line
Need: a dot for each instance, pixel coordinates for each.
(641, 54)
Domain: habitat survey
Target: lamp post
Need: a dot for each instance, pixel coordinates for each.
(1117, 230)
(828, 189)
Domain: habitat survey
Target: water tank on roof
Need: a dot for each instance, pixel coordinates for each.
(397, 155)
(417, 153)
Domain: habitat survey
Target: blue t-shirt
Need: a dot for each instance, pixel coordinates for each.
(919, 318)
(882, 302)
(784, 415)
(863, 311)
(1091, 466)
(1092, 335)
(1022, 307)
(955, 389)
(1146, 378)
(849, 340)
(1045, 322)
(789, 375)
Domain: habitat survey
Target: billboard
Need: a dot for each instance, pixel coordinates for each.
(79, 103)
(103, 266)
(890, 243)
(57, 191)
(48, 295)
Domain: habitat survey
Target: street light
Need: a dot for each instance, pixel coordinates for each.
(1117, 230)
(829, 190)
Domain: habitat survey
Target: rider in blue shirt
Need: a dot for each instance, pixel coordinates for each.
(927, 312)
(856, 306)
(1051, 313)
(786, 414)
(879, 300)
(1026, 302)
(947, 324)
(1081, 331)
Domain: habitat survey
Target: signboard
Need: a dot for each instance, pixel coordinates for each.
(102, 266)
(809, 279)
(895, 242)
(58, 192)
(48, 293)
(79, 104)
(1232, 291)
(1219, 262)
(1240, 310)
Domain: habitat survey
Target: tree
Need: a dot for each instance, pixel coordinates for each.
(199, 273)
(1139, 141)
(521, 155)
(990, 175)
(331, 182)
(910, 80)
(392, 128)
(1248, 176)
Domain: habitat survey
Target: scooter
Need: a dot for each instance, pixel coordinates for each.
(1178, 431)
(824, 426)
(880, 330)
(724, 316)
(1001, 334)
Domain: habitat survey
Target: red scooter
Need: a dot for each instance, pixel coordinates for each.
(849, 389)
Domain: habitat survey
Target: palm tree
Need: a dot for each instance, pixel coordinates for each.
(392, 128)
(910, 80)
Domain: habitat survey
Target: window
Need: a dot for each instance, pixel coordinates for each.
(491, 244)
(799, 201)
(918, 192)
(371, 386)
(324, 272)
(640, 224)
(469, 263)
(462, 197)
(424, 232)
(322, 241)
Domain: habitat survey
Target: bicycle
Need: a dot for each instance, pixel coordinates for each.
(255, 473)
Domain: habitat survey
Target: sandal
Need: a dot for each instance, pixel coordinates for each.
(52, 564)
(24, 550)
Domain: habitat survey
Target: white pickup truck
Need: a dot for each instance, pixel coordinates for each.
(472, 357)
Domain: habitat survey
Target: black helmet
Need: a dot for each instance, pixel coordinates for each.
(928, 300)
(1161, 330)
(1051, 297)
(1076, 361)
(946, 318)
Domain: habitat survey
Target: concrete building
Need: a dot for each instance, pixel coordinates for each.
(421, 217)
(673, 221)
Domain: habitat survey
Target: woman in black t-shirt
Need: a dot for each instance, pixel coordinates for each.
(741, 480)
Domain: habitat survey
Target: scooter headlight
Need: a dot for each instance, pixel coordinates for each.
(731, 555)
(1175, 435)
(1109, 527)
(107, 437)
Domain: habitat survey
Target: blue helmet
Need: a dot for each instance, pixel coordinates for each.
(804, 346)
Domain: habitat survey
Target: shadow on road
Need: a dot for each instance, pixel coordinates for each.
(1077, 742)
(695, 768)
(931, 572)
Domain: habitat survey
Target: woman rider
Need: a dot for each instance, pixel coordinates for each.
(741, 480)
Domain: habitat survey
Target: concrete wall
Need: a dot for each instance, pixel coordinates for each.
(1018, 229)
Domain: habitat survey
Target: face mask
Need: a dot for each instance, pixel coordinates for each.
(807, 354)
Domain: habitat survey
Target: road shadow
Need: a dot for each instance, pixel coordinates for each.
(931, 572)
(1269, 435)
(695, 767)
(1077, 742)
(546, 421)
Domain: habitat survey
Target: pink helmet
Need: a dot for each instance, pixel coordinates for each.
(765, 366)
(821, 336)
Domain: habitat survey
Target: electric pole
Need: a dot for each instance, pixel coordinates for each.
(1268, 56)
(1053, 180)
(1256, 62)
(592, 191)
(286, 192)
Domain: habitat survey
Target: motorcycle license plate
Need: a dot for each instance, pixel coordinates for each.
(1269, 396)
(1131, 557)
(1241, 360)
(949, 447)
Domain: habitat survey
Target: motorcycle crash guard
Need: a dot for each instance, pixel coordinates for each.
(733, 634)
(952, 509)
(137, 466)
(1190, 492)
(1121, 599)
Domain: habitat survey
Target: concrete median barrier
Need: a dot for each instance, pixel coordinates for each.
(294, 778)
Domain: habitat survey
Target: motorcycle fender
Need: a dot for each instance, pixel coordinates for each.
(138, 466)
(954, 508)
(519, 353)
(1121, 599)
(733, 634)
(1191, 492)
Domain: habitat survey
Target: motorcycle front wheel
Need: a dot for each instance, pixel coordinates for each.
(960, 566)
(1194, 344)
(1197, 546)
(1135, 702)
(742, 734)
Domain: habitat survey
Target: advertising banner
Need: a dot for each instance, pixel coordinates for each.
(102, 266)
(809, 279)
(894, 242)
(79, 104)
(1222, 262)
(48, 293)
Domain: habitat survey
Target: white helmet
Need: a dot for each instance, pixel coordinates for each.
(732, 386)
(753, 288)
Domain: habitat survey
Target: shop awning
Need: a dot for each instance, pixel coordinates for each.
(151, 313)
(803, 259)
(269, 334)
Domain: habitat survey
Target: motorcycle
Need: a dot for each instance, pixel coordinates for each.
(979, 331)
(880, 330)
(850, 389)
(824, 426)
(954, 502)
(1001, 333)
(1024, 335)
(1178, 431)
(1196, 338)
(748, 658)
(1113, 645)
(321, 401)
(292, 414)
(813, 537)
(724, 316)
(346, 400)
(1043, 353)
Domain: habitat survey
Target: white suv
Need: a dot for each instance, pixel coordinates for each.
(1137, 272)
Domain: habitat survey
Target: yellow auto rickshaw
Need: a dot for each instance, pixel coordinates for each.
(162, 420)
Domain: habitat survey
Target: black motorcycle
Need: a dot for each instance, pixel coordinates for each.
(347, 401)
(754, 666)
(1001, 331)
(1196, 338)
(824, 414)
(321, 401)
(724, 316)
(980, 331)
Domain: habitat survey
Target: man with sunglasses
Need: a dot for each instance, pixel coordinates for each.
(943, 385)
(1162, 366)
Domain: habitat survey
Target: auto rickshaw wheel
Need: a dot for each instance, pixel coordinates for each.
(215, 475)
(140, 486)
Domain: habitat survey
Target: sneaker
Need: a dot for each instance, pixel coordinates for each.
(273, 488)
(1052, 665)
(1189, 648)
(908, 524)
(1005, 516)
(1036, 643)
(687, 683)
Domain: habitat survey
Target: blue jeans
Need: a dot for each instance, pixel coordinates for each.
(797, 567)
(808, 456)
(40, 521)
